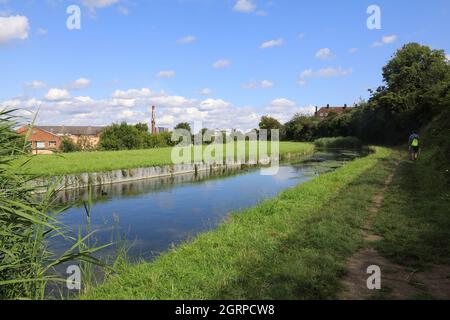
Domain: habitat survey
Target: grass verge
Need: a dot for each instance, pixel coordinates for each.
(414, 220)
(86, 162)
(292, 247)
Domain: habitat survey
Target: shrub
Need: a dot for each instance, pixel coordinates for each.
(67, 145)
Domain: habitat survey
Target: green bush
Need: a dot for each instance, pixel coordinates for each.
(68, 146)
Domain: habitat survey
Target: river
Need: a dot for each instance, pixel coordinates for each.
(152, 215)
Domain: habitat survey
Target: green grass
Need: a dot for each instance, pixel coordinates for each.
(292, 247)
(71, 163)
(339, 143)
(415, 217)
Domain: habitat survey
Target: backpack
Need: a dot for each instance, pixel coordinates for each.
(415, 143)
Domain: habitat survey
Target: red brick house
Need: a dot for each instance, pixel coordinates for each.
(324, 112)
(47, 139)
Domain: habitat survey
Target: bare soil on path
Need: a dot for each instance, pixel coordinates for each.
(397, 283)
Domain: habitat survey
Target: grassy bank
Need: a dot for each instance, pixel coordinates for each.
(339, 143)
(71, 163)
(415, 218)
(292, 247)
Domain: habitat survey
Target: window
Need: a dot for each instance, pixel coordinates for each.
(52, 144)
(40, 145)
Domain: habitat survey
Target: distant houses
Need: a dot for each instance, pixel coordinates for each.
(324, 112)
(47, 139)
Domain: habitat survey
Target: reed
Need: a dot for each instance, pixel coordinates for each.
(27, 263)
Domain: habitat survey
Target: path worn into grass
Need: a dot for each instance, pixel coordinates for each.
(397, 281)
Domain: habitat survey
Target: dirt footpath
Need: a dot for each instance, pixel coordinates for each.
(396, 282)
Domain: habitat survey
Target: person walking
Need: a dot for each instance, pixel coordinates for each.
(414, 146)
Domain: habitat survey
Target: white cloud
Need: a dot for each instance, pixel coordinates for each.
(330, 72)
(57, 95)
(282, 103)
(187, 40)
(205, 91)
(272, 43)
(324, 54)
(78, 84)
(352, 50)
(265, 84)
(84, 99)
(42, 32)
(36, 85)
(13, 28)
(221, 64)
(447, 56)
(389, 39)
(166, 74)
(213, 104)
(98, 3)
(245, 6)
(284, 109)
(385, 40)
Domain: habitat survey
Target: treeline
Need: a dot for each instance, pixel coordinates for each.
(121, 136)
(416, 88)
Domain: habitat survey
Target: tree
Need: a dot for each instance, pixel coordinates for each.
(183, 126)
(269, 123)
(123, 137)
(415, 81)
(300, 128)
(67, 145)
(84, 143)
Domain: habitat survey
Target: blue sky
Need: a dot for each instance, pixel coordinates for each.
(223, 62)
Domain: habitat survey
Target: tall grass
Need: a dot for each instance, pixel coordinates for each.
(27, 264)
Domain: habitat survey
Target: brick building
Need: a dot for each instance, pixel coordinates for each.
(324, 112)
(47, 139)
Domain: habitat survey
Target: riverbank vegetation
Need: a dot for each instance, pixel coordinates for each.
(81, 162)
(291, 247)
(26, 261)
(339, 143)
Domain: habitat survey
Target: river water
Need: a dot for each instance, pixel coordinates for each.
(155, 214)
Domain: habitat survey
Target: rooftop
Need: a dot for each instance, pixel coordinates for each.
(72, 130)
